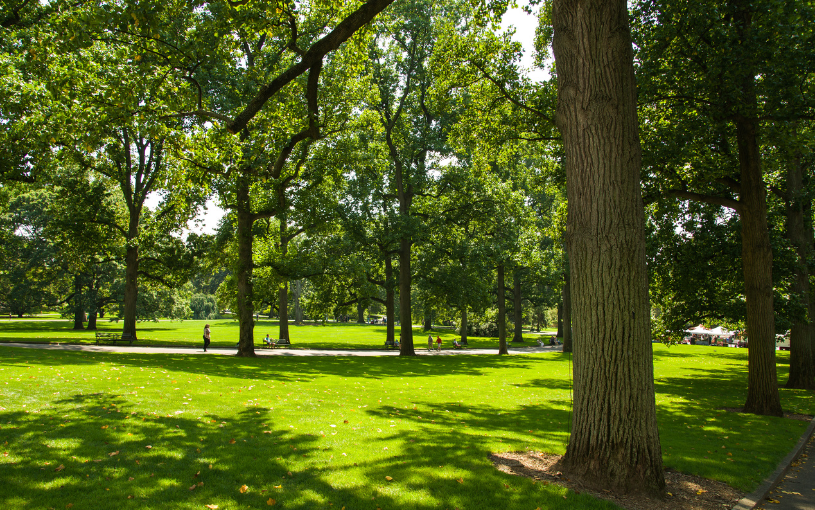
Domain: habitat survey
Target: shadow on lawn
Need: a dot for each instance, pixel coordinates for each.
(100, 459)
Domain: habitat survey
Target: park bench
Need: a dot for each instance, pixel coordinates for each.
(109, 336)
(268, 346)
(283, 342)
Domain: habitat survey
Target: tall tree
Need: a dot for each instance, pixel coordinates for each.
(614, 441)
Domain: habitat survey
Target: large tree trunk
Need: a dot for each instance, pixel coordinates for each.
(756, 252)
(246, 307)
(79, 313)
(390, 301)
(406, 329)
(516, 307)
(361, 314)
(464, 326)
(799, 231)
(502, 313)
(614, 441)
(567, 314)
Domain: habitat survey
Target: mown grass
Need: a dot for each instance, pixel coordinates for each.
(325, 432)
(225, 334)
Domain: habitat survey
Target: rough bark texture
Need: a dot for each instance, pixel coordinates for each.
(559, 333)
(464, 326)
(567, 315)
(427, 323)
(799, 231)
(757, 255)
(360, 313)
(283, 291)
(92, 321)
(614, 440)
(502, 313)
(246, 309)
(517, 309)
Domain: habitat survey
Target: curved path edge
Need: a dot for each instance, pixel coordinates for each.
(754, 498)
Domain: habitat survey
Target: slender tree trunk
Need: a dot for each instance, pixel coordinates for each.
(567, 314)
(756, 252)
(244, 270)
(517, 308)
(502, 313)
(427, 322)
(361, 314)
(614, 441)
(131, 287)
(464, 326)
(283, 291)
(559, 333)
(406, 330)
(390, 301)
(297, 291)
(802, 374)
(78, 312)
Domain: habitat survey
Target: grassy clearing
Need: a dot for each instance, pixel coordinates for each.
(326, 432)
(225, 334)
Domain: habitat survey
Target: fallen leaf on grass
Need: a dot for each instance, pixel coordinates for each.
(278, 486)
(243, 489)
(460, 480)
(388, 478)
(60, 468)
(289, 473)
(111, 454)
(104, 426)
(271, 502)
(231, 441)
(212, 507)
(148, 447)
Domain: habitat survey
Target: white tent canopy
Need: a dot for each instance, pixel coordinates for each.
(717, 331)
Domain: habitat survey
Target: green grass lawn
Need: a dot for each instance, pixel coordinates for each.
(114, 430)
(225, 334)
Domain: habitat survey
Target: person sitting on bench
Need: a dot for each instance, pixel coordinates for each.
(268, 341)
(456, 344)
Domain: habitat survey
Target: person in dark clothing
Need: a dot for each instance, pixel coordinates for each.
(206, 337)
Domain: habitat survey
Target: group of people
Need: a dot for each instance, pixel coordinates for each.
(430, 343)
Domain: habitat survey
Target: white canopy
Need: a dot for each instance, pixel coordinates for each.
(720, 331)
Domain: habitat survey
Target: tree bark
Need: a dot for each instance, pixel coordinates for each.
(360, 314)
(406, 329)
(427, 322)
(78, 312)
(283, 291)
(614, 441)
(799, 231)
(567, 314)
(131, 286)
(756, 252)
(464, 326)
(297, 291)
(516, 307)
(502, 313)
(390, 300)
(559, 333)
(244, 270)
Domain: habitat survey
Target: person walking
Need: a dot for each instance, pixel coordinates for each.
(438, 343)
(206, 337)
(429, 342)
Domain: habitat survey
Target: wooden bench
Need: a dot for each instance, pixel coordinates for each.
(283, 342)
(108, 336)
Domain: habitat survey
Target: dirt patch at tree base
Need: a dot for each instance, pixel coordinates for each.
(683, 492)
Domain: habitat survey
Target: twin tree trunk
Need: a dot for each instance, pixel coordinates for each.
(614, 441)
(502, 313)
(246, 310)
(517, 310)
(131, 285)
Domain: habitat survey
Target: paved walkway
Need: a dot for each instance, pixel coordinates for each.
(422, 351)
(797, 489)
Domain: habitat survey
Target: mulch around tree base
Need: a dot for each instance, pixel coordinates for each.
(684, 492)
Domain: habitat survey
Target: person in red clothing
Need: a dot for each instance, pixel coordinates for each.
(438, 343)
